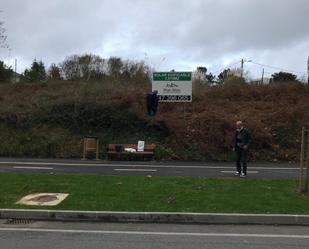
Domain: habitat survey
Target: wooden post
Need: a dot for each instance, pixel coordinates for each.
(302, 158)
(97, 151)
(84, 150)
(306, 156)
(91, 144)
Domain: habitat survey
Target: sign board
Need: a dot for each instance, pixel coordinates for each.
(140, 145)
(173, 86)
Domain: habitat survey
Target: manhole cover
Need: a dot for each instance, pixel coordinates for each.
(43, 199)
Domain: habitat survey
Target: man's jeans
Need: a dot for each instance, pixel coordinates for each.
(241, 161)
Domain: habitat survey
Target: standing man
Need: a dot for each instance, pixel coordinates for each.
(152, 103)
(242, 142)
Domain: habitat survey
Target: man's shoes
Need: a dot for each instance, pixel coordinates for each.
(236, 173)
(243, 174)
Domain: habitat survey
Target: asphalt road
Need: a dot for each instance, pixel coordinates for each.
(62, 235)
(194, 169)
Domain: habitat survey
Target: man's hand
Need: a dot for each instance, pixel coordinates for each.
(245, 147)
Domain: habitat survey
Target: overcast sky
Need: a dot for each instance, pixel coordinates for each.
(166, 34)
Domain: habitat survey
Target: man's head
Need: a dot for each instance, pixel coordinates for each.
(239, 125)
(155, 92)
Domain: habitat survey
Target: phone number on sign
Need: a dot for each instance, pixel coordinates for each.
(179, 98)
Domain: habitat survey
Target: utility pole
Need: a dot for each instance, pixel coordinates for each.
(242, 68)
(262, 81)
(308, 74)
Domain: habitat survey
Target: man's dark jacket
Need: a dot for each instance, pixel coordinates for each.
(242, 138)
(152, 101)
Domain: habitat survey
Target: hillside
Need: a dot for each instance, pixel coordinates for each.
(50, 119)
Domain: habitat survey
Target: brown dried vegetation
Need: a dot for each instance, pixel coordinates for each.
(201, 130)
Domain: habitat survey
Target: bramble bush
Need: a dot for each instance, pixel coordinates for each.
(50, 119)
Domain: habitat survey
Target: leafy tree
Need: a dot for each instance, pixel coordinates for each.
(36, 72)
(283, 77)
(224, 75)
(54, 72)
(200, 74)
(141, 74)
(91, 66)
(6, 73)
(210, 77)
(115, 67)
(70, 67)
(83, 67)
(231, 76)
(202, 70)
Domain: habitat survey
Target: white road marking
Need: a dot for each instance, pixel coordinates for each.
(145, 170)
(144, 165)
(44, 168)
(231, 172)
(292, 236)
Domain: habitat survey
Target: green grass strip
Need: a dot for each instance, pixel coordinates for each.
(162, 194)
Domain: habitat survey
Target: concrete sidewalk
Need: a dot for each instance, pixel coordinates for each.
(155, 217)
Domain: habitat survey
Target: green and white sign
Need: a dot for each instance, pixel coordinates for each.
(173, 86)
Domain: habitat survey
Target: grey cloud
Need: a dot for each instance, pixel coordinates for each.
(229, 26)
(184, 31)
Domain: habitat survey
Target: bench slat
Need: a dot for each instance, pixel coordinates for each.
(134, 153)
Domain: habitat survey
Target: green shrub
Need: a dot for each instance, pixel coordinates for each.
(40, 141)
(163, 153)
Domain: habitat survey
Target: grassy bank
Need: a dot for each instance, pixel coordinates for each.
(170, 194)
(50, 119)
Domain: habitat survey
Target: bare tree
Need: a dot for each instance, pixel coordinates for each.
(83, 67)
(54, 72)
(115, 67)
(3, 42)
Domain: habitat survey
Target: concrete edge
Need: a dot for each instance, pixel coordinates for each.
(155, 217)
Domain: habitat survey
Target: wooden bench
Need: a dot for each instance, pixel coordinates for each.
(117, 152)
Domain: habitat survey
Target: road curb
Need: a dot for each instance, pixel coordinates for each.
(155, 217)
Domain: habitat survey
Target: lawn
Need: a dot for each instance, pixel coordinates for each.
(162, 194)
